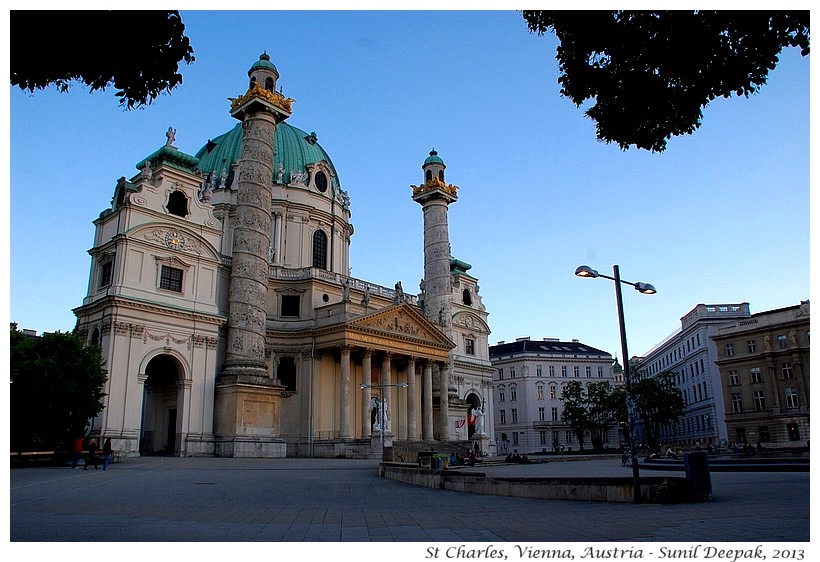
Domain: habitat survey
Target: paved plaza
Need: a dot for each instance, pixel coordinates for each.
(156, 499)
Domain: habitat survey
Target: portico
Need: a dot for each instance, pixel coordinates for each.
(349, 365)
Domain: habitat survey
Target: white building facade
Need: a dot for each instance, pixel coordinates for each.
(690, 354)
(220, 295)
(529, 379)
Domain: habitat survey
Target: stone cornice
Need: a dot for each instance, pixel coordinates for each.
(130, 304)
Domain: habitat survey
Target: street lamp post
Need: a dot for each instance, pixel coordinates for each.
(382, 401)
(646, 288)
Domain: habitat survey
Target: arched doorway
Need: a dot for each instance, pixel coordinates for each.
(159, 406)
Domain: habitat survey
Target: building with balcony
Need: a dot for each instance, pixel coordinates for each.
(528, 383)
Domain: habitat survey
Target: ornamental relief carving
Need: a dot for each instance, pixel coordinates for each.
(174, 239)
(257, 130)
(437, 214)
(250, 197)
(251, 173)
(125, 329)
(208, 342)
(249, 241)
(469, 321)
(258, 220)
(248, 317)
(252, 271)
(246, 293)
(396, 323)
(167, 338)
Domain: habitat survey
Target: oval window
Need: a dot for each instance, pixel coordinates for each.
(321, 181)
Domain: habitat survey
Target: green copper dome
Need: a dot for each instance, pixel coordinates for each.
(433, 159)
(263, 62)
(294, 150)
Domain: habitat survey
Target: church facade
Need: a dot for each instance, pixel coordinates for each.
(220, 296)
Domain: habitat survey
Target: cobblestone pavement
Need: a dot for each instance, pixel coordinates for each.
(156, 499)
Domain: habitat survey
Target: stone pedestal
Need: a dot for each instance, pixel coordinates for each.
(247, 413)
(483, 441)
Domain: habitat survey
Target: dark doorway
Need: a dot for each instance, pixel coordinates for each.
(159, 406)
(171, 433)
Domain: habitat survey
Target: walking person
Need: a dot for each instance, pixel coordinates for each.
(77, 448)
(92, 455)
(106, 453)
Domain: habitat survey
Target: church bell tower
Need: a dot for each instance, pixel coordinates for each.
(435, 196)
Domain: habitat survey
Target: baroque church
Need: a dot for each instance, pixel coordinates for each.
(220, 295)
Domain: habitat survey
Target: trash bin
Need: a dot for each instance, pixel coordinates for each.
(425, 459)
(696, 465)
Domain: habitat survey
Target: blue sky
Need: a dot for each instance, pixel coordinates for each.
(721, 217)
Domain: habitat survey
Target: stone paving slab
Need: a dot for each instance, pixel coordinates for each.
(160, 500)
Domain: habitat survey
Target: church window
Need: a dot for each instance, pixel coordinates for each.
(170, 279)
(286, 373)
(428, 175)
(466, 298)
(290, 305)
(469, 345)
(269, 84)
(320, 180)
(177, 204)
(320, 249)
(95, 337)
(441, 175)
(105, 273)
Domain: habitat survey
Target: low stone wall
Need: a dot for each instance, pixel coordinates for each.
(661, 489)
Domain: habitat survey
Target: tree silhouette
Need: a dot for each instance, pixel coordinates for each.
(56, 387)
(650, 74)
(137, 51)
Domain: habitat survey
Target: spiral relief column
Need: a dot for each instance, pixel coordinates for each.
(435, 196)
(247, 297)
(247, 396)
(260, 110)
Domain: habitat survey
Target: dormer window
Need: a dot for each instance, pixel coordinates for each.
(177, 204)
(466, 298)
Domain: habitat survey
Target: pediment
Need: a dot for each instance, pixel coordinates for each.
(470, 321)
(175, 238)
(402, 320)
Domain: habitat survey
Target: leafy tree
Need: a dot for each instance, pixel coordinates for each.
(576, 413)
(137, 51)
(56, 387)
(602, 411)
(650, 74)
(657, 402)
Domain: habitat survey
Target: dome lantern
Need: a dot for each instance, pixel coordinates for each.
(433, 167)
(264, 73)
